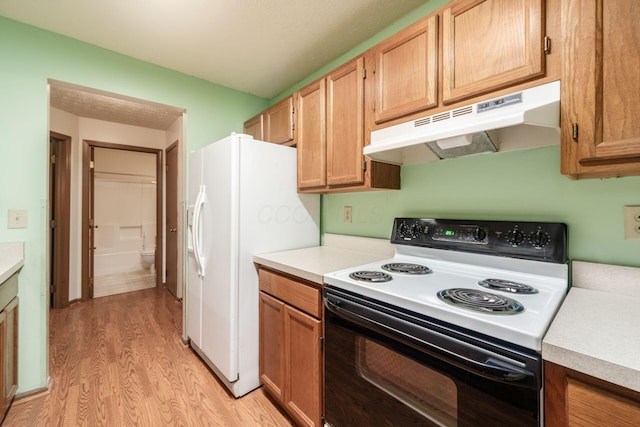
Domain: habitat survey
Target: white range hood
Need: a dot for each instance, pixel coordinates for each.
(524, 119)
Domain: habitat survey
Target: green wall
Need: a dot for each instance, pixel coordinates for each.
(517, 185)
(28, 57)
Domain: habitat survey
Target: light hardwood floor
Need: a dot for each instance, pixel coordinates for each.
(119, 361)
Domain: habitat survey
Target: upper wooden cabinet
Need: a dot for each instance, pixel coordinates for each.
(331, 136)
(490, 44)
(600, 80)
(279, 124)
(345, 124)
(406, 71)
(254, 127)
(312, 155)
(275, 124)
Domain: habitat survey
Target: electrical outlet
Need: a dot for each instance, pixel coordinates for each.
(347, 214)
(632, 222)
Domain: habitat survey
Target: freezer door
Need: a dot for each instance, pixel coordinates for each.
(194, 283)
(219, 249)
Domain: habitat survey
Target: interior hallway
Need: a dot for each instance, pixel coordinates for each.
(119, 361)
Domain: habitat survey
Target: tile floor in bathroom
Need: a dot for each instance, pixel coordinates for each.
(118, 283)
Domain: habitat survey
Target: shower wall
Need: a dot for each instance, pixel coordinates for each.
(124, 209)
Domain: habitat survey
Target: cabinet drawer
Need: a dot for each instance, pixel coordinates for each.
(298, 294)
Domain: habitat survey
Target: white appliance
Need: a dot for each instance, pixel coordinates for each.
(243, 201)
(448, 328)
(524, 119)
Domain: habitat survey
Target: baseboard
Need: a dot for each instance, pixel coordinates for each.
(32, 394)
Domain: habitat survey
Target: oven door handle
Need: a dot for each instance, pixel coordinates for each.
(449, 349)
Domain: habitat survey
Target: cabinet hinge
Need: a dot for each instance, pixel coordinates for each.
(547, 45)
(91, 165)
(52, 289)
(322, 342)
(374, 105)
(52, 223)
(574, 131)
(364, 73)
(53, 159)
(364, 165)
(91, 222)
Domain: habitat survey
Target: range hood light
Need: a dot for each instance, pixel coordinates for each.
(454, 142)
(463, 145)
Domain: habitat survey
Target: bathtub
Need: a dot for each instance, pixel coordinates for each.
(116, 262)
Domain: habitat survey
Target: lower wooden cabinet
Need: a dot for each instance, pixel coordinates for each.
(575, 399)
(8, 342)
(290, 345)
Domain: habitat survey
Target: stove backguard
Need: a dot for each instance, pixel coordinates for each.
(537, 241)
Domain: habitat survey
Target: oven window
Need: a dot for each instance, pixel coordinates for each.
(405, 380)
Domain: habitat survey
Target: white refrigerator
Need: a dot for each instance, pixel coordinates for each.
(243, 201)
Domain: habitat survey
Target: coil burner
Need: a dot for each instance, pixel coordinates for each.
(485, 302)
(370, 276)
(508, 286)
(406, 268)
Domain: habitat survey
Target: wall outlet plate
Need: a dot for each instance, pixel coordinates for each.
(17, 218)
(632, 222)
(348, 214)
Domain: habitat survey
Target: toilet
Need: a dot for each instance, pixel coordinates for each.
(148, 259)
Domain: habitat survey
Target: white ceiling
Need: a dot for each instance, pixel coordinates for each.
(260, 47)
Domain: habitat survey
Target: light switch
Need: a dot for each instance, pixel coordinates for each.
(17, 218)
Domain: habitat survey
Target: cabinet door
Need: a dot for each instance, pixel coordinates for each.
(600, 81)
(3, 362)
(304, 367)
(254, 127)
(490, 44)
(278, 122)
(406, 71)
(272, 358)
(11, 352)
(345, 124)
(312, 169)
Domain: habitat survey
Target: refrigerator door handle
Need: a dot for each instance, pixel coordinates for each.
(197, 234)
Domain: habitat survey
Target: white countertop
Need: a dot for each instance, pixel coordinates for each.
(338, 252)
(11, 259)
(596, 329)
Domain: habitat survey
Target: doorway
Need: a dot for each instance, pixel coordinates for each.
(59, 218)
(122, 217)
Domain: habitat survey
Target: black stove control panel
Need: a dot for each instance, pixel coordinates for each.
(539, 241)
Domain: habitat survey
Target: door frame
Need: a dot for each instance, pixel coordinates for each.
(87, 209)
(60, 212)
(178, 265)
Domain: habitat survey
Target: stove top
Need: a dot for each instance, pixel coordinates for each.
(500, 287)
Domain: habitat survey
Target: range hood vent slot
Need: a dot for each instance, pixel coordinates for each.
(524, 119)
(422, 122)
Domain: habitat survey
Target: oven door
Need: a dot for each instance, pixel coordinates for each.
(388, 367)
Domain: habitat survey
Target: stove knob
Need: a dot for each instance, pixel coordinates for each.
(515, 237)
(479, 234)
(416, 230)
(403, 230)
(539, 239)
